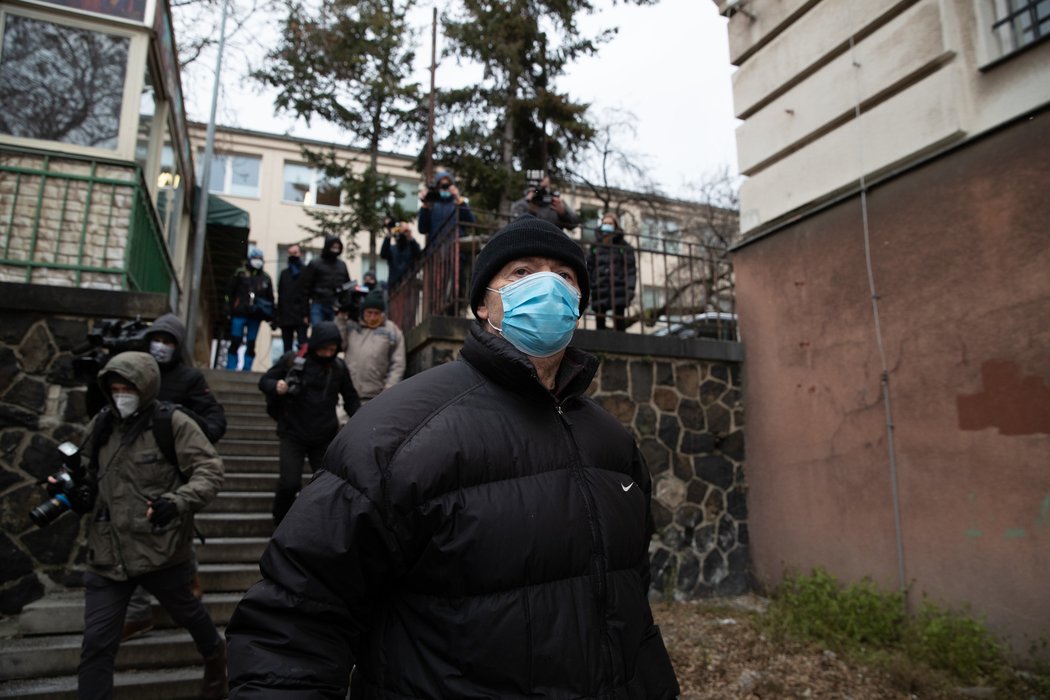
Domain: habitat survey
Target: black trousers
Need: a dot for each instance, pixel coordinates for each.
(619, 320)
(105, 601)
(289, 333)
(294, 453)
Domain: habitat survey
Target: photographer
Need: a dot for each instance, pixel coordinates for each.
(443, 209)
(320, 282)
(249, 302)
(400, 251)
(544, 203)
(306, 387)
(186, 386)
(140, 525)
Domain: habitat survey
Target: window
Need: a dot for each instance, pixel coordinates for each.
(1020, 22)
(232, 174)
(407, 193)
(308, 186)
(659, 235)
(147, 111)
(60, 83)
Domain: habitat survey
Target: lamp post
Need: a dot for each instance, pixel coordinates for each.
(193, 316)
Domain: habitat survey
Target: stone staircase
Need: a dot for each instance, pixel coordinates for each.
(41, 661)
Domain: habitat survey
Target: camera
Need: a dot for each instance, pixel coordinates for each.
(541, 196)
(348, 297)
(294, 377)
(434, 193)
(108, 337)
(64, 491)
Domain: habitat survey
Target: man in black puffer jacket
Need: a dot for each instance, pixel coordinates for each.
(320, 282)
(307, 403)
(480, 530)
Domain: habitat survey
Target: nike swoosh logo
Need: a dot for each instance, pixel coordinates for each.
(627, 487)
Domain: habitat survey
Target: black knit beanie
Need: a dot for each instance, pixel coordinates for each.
(374, 300)
(527, 237)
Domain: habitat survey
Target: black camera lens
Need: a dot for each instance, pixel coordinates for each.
(46, 513)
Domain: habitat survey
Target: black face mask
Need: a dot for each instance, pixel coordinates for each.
(293, 259)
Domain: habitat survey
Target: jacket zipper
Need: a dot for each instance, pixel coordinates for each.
(596, 540)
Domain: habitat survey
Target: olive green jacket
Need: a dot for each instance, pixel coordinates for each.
(131, 469)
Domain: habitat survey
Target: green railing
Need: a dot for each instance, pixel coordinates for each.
(75, 221)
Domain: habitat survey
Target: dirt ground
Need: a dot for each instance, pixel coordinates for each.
(718, 651)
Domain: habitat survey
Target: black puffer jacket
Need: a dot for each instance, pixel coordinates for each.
(186, 385)
(310, 415)
(613, 269)
(471, 536)
(323, 276)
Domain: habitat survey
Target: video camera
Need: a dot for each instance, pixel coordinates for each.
(109, 337)
(541, 196)
(65, 493)
(433, 194)
(294, 377)
(349, 296)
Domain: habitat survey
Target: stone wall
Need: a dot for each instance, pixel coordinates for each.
(41, 406)
(67, 217)
(682, 402)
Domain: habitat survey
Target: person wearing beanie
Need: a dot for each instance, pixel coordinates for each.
(543, 202)
(249, 302)
(480, 529)
(303, 388)
(375, 348)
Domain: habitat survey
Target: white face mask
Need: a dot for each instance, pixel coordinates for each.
(257, 263)
(126, 404)
(162, 352)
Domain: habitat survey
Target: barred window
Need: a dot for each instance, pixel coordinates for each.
(1019, 23)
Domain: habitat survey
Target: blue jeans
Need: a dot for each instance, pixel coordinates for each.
(321, 312)
(238, 326)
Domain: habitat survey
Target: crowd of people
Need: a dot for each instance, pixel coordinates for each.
(470, 531)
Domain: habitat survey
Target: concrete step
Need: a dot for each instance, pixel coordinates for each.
(252, 464)
(253, 430)
(249, 448)
(232, 550)
(229, 578)
(63, 614)
(242, 481)
(165, 684)
(241, 502)
(234, 525)
(245, 406)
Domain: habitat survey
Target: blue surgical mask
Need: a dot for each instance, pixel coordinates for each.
(608, 228)
(539, 313)
(445, 194)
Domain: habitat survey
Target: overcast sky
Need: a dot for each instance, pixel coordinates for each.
(668, 66)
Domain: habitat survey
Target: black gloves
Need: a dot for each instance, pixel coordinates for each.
(164, 511)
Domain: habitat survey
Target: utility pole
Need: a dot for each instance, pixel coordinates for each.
(193, 317)
(429, 168)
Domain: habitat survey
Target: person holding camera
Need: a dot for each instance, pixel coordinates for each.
(305, 388)
(322, 280)
(480, 530)
(544, 203)
(249, 302)
(140, 524)
(400, 251)
(613, 270)
(186, 386)
(375, 349)
(443, 209)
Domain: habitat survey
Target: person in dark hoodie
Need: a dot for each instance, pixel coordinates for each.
(442, 209)
(186, 386)
(613, 270)
(400, 251)
(292, 313)
(249, 302)
(479, 530)
(307, 389)
(321, 280)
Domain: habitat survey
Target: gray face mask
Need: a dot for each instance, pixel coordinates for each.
(162, 352)
(126, 404)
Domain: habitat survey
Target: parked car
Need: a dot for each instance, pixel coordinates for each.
(719, 325)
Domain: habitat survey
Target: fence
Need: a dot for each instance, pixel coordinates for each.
(643, 284)
(79, 222)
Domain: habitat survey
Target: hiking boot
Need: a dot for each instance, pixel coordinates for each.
(214, 685)
(136, 628)
(195, 586)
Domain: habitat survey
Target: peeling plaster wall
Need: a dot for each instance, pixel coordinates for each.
(961, 261)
